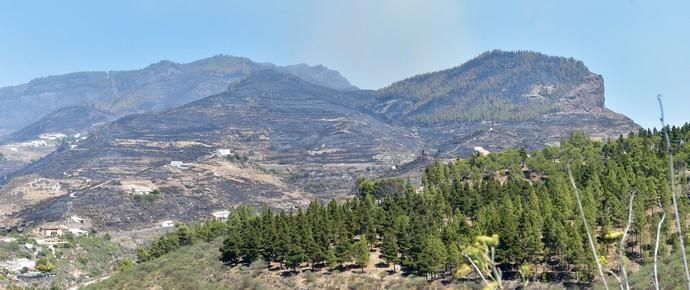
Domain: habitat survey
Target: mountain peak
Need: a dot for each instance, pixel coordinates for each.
(156, 87)
(498, 85)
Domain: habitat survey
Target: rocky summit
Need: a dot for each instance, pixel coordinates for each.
(279, 138)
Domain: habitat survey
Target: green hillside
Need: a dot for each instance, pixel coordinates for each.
(518, 203)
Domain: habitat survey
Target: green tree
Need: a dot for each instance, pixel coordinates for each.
(331, 258)
(143, 254)
(390, 251)
(343, 251)
(455, 257)
(185, 236)
(44, 265)
(231, 251)
(433, 256)
(295, 257)
(360, 251)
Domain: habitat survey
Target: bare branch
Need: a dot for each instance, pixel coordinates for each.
(589, 234)
(496, 271)
(620, 283)
(672, 177)
(622, 245)
(656, 247)
(476, 269)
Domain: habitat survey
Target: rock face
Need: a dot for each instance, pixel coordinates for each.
(286, 140)
(157, 87)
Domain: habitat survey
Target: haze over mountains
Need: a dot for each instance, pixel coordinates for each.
(294, 133)
(159, 86)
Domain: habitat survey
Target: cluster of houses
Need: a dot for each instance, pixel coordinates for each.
(47, 237)
(23, 269)
(51, 231)
(55, 231)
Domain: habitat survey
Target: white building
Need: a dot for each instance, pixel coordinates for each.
(35, 143)
(178, 164)
(141, 190)
(50, 231)
(78, 232)
(224, 152)
(77, 219)
(52, 136)
(221, 214)
(167, 224)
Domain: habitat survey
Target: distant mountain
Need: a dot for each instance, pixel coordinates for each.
(318, 75)
(303, 139)
(157, 87)
(496, 86)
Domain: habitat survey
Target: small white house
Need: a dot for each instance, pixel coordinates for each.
(50, 231)
(52, 136)
(167, 224)
(77, 219)
(224, 152)
(77, 232)
(178, 164)
(141, 190)
(221, 214)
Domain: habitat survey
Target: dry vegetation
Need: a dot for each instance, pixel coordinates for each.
(198, 267)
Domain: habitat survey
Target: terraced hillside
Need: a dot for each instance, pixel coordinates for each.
(285, 140)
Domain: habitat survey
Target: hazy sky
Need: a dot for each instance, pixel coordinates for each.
(640, 47)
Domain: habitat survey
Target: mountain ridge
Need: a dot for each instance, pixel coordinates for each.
(158, 86)
(307, 140)
(495, 86)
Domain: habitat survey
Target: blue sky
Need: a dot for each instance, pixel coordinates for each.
(640, 47)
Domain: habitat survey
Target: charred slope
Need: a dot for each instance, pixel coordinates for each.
(501, 100)
(304, 137)
(270, 116)
(69, 120)
(157, 87)
(311, 138)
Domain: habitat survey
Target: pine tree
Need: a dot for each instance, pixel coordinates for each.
(390, 249)
(331, 258)
(455, 257)
(531, 246)
(251, 238)
(231, 251)
(343, 251)
(360, 251)
(510, 237)
(184, 234)
(295, 257)
(433, 256)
